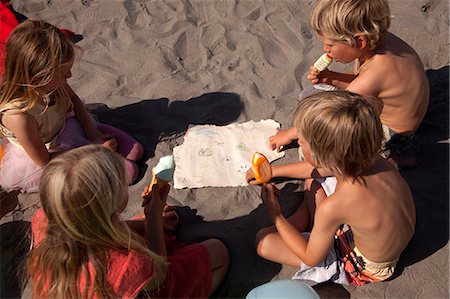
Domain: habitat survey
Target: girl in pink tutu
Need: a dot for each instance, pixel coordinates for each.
(40, 115)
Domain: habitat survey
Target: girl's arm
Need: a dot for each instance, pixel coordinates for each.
(154, 230)
(82, 115)
(24, 127)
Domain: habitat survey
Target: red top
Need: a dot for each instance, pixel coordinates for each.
(128, 272)
(189, 274)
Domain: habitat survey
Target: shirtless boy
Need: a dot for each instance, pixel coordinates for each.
(367, 196)
(386, 67)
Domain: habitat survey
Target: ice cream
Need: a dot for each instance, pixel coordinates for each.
(162, 174)
(323, 62)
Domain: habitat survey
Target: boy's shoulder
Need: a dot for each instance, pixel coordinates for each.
(393, 47)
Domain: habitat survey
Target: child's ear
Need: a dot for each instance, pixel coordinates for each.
(361, 40)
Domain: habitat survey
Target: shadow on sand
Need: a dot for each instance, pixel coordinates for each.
(151, 121)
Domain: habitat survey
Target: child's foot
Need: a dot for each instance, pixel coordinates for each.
(8, 201)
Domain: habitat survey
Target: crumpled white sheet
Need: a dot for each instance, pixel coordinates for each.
(219, 156)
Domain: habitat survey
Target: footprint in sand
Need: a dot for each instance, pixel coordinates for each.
(212, 35)
(87, 3)
(429, 6)
(278, 24)
(272, 52)
(247, 9)
(189, 50)
(138, 15)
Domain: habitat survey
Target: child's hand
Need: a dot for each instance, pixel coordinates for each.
(170, 219)
(269, 195)
(106, 140)
(281, 138)
(250, 177)
(110, 143)
(319, 77)
(158, 201)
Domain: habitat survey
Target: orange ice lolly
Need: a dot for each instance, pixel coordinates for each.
(261, 168)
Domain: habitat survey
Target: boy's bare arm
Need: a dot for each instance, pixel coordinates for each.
(299, 170)
(311, 251)
(368, 83)
(340, 80)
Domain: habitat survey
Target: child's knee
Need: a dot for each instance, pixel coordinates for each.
(132, 171)
(261, 240)
(218, 251)
(137, 152)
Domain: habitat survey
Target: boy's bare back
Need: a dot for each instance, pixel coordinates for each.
(395, 74)
(379, 208)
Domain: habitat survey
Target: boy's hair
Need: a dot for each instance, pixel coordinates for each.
(34, 51)
(82, 193)
(342, 129)
(340, 20)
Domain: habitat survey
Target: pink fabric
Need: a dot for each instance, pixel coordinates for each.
(19, 171)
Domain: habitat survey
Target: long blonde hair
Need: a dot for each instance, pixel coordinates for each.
(340, 20)
(34, 51)
(82, 192)
(342, 129)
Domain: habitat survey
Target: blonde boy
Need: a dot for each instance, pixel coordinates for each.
(366, 212)
(385, 67)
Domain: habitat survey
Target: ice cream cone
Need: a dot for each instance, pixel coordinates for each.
(162, 174)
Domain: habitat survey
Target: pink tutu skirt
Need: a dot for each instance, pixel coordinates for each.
(19, 171)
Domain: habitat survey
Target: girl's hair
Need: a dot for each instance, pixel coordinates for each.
(34, 51)
(340, 20)
(82, 193)
(342, 129)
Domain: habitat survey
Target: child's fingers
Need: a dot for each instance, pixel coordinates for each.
(249, 176)
(164, 191)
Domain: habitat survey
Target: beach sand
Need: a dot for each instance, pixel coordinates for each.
(152, 68)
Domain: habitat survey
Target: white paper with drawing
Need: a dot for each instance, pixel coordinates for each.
(219, 156)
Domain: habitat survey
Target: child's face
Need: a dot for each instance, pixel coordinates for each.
(340, 51)
(60, 77)
(306, 151)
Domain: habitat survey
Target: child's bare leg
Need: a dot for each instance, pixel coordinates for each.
(220, 260)
(269, 243)
(8, 201)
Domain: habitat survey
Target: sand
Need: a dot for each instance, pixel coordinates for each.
(152, 68)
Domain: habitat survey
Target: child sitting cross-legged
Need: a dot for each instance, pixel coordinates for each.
(83, 249)
(358, 212)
